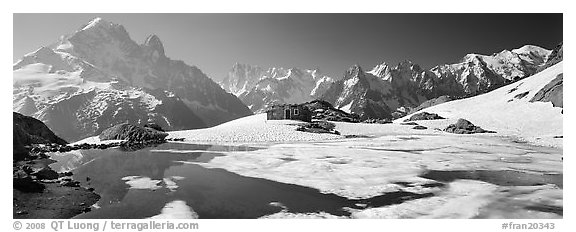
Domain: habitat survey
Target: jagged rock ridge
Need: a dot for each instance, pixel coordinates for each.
(390, 92)
(261, 88)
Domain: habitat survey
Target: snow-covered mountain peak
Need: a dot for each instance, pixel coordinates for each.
(472, 58)
(532, 49)
(96, 64)
(100, 26)
(96, 22)
(380, 70)
(99, 30)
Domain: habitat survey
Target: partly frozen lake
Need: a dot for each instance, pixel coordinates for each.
(139, 184)
(393, 176)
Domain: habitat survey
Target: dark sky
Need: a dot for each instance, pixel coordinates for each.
(331, 42)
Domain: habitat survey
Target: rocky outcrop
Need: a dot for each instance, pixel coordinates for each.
(424, 116)
(130, 132)
(323, 110)
(552, 92)
(463, 126)
(28, 131)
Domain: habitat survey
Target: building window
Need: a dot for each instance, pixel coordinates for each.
(295, 111)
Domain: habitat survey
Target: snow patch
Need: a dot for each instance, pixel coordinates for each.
(177, 209)
(141, 182)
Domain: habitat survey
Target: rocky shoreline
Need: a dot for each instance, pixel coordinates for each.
(42, 193)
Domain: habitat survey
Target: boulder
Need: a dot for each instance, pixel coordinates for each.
(126, 131)
(463, 126)
(424, 116)
(419, 127)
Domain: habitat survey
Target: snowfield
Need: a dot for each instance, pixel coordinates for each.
(251, 129)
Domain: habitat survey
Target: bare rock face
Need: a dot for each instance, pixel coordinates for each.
(424, 116)
(552, 92)
(130, 132)
(463, 126)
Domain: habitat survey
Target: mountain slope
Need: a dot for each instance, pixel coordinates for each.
(76, 108)
(259, 88)
(511, 110)
(108, 46)
(98, 76)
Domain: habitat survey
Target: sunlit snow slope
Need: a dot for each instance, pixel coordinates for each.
(513, 110)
